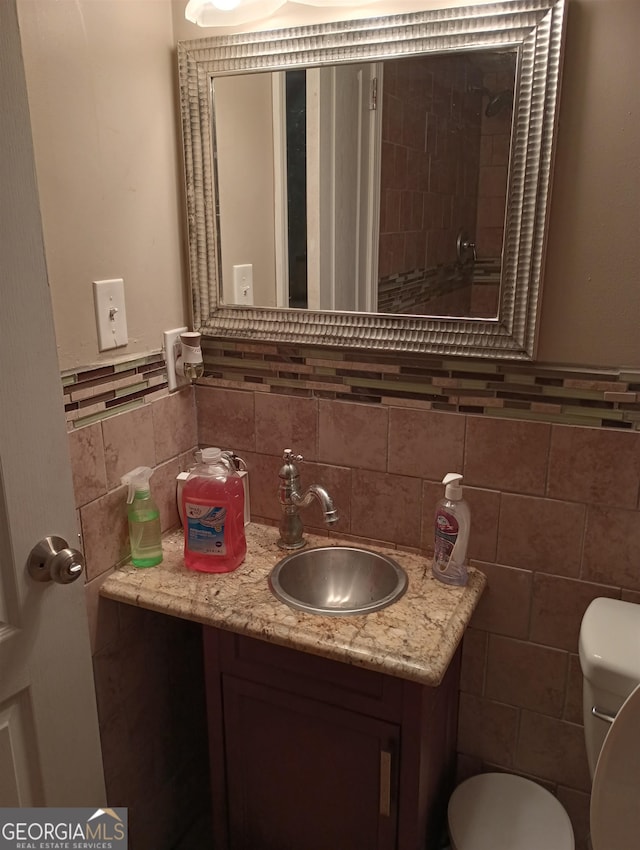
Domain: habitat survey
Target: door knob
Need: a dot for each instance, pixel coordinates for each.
(52, 560)
(465, 248)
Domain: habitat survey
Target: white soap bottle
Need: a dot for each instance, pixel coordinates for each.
(453, 521)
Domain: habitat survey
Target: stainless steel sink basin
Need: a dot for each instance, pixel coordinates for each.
(338, 580)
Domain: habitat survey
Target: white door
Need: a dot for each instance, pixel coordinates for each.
(49, 742)
(343, 186)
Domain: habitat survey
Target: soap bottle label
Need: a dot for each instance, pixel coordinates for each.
(205, 529)
(446, 534)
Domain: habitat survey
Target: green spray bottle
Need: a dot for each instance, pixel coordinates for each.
(144, 519)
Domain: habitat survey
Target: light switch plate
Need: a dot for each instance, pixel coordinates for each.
(243, 284)
(111, 313)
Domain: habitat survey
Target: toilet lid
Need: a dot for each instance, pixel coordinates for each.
(499, 811)
(615, 796)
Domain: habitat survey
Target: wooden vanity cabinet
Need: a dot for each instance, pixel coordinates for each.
(312, 754)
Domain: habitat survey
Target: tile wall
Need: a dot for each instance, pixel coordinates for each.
(147, 667)
(555, 523)
(428, 190)
(495, 141)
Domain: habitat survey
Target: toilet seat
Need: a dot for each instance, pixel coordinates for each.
(615, 813)
(500, 811)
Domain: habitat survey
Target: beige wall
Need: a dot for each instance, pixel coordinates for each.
(102, 94)
(101, 83)
(591, 303)
(244, 138)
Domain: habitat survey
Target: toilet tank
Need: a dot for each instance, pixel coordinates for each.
(610, 660)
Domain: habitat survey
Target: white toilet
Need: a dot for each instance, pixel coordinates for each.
(500, 811)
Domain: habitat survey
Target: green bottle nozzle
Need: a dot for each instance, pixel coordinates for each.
(137, 480)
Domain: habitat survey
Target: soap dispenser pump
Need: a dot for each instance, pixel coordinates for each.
(453, 521)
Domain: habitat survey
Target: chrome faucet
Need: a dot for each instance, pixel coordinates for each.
(291, 499)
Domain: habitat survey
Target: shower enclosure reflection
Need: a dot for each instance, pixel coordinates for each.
(369, 187)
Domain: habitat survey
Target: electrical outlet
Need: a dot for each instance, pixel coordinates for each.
(243, 284)
(171, 352)
(111, 313)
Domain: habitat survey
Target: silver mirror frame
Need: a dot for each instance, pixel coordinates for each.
(535, 27)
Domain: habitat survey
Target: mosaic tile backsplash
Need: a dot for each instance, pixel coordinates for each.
(92, 394)
(600, 398)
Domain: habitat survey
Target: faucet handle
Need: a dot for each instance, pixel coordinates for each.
(289, 470)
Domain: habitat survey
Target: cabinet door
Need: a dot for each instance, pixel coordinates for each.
(302, 775)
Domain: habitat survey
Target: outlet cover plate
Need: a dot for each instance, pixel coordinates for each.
(171, 351)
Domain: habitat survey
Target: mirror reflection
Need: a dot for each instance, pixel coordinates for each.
(370, 187)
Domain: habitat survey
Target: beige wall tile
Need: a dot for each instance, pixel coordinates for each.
(526, 675)
(424, 443)
(86, 449)
(558, 607)
(467, 766)
(577, 804)
(631, 596)
(353, 435)
(286, 422)
(594, 465)
(541, 534)
(186, 461)
(108, 682)
(105, 532)
(386, 507)
(431, 495)
(611, 547)
(487, 730)
(174, 424)
(552, 749)
(163, 488)
(157, 711)
(226, 418)
(117, 747)
(506, 455)
(474, 661)
(485, 507)
(263, 485)
(573, 704)
(102, 614)
(128, 443)
(504, 607)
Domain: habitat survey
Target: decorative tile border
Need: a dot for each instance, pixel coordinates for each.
(92, 394)
(600, 398)
(413, 291)
(420, 290)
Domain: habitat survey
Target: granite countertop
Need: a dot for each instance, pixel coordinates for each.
(415, 638)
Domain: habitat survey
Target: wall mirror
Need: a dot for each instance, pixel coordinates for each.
(381, 183)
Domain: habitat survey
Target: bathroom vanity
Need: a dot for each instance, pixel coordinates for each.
(324, 732)
(310, 753)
